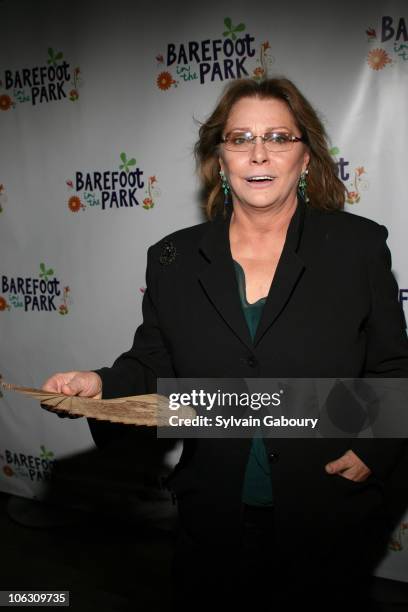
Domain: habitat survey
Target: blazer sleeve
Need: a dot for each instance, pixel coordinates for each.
(135, 371)
(387, 351)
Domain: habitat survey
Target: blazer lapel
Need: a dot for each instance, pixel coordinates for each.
(288, 272)
(218, 279)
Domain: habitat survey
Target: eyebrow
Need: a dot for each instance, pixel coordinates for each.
(268, 129)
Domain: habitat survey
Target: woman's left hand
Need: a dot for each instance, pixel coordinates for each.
(349, 466)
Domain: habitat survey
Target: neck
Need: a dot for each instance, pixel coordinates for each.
(262, 222)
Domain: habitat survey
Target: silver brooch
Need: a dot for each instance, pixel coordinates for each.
(168, 254)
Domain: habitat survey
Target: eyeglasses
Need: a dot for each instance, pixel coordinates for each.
(273, 141)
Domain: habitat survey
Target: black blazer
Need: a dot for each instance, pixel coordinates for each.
(332, 311)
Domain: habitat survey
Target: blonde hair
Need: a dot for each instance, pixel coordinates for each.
(325, 190)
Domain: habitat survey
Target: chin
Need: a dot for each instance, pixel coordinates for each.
(264, 202)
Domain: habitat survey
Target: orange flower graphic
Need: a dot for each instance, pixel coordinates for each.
(5, 102)
(165, 81)
(352, 197)
(360, 170)
(147, 203)
(378, 58)
(8, 471)
(3, 303)
(259, 72)
(74, 204)
(266, 45)
(394, 545)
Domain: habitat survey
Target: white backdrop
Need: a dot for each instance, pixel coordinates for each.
(114, 93)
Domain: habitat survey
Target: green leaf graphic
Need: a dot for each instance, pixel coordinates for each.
(334, 151)
(232, 29)
(44, 273)
(126, 162)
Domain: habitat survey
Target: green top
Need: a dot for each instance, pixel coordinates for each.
(257, 489)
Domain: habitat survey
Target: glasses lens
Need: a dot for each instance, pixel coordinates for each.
(238, 141)
(278, 141)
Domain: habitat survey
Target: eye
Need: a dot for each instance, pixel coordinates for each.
(239, 138)
(277, 137)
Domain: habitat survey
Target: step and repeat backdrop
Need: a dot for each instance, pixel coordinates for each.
(99, 112)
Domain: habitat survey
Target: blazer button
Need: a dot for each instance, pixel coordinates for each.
(273, 457)
(252, 362)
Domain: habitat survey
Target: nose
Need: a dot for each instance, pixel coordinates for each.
(259, 153)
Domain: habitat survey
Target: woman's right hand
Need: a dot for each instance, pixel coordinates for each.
(84, 384)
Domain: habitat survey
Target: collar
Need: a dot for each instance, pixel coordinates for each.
(216, 240)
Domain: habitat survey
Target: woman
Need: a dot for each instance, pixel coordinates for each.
(278, 283)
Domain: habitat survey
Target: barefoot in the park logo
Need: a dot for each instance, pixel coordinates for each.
(53, 81)
(233, 54)
(126, 188)
(44, 292)
(36, 468)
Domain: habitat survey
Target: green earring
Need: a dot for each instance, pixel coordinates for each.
(302, 186)
(225, 187)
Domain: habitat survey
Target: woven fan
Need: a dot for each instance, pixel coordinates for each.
(151, 409)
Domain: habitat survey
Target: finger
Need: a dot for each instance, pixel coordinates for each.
(358, 461)
(83, 385)
(349, 474)
(339, 465)
(55, 383)
(75, 386)
(72, 388)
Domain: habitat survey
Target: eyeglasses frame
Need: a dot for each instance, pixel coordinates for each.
(224, 139)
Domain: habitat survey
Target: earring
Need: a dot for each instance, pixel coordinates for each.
(225, 187)
(302, 186)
